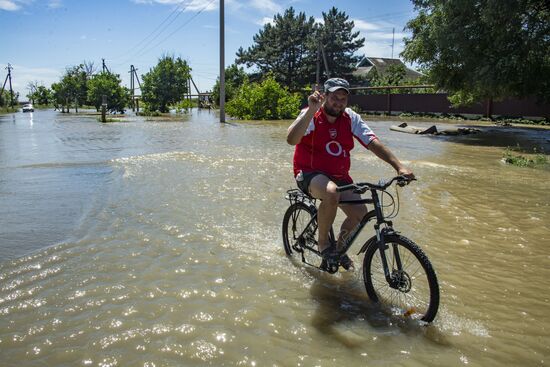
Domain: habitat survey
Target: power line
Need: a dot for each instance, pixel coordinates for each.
(139, 48)
(164, 21)
(178, 29)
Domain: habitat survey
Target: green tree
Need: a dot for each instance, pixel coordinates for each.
(5, 98)
(393, 75)
(72, 89)
(283, 48)
(481, 49)
(166, 83)
(77, 81)
(264, 101)
(43, 95)
(60, 96)
(234, 78)
(109, 85)
(39, 94)
(340, 43)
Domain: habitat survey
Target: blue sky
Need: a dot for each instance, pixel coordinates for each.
(40, 38)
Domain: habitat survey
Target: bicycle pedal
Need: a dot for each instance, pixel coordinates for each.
(330, 267)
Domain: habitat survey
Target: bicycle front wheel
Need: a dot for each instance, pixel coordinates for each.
(413, 290)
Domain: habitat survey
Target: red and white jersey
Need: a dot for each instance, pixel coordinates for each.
(325, 146)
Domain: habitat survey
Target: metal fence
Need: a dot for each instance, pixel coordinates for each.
(437, 103)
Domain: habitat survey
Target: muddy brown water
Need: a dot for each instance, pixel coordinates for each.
(157, 243)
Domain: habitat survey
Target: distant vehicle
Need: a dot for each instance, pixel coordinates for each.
(28, 108)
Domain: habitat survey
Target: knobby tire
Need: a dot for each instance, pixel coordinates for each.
(422, 299)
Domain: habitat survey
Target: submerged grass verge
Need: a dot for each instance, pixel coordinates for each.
(535, 160)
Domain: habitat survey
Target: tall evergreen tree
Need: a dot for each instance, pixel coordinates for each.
(283, 48)
(340, 43)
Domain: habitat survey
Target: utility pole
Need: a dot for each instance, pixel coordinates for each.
(392, 41)
(222, 62)
(194, 85)
(8, 78)
(104, 66)
(132, 86)
(318, 70)
(327, 71)
(133, 74)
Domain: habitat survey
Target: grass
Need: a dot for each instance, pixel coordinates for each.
(109, 120)
(9, 109)
(535, 160)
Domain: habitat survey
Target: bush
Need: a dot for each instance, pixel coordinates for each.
(263, 101)
(185, 105)
(537, 160)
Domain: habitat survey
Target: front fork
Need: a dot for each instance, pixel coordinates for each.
(392, 276)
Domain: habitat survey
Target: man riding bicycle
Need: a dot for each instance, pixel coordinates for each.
(323, 135)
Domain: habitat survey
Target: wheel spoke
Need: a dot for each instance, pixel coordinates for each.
(296, 233)
(413, 293)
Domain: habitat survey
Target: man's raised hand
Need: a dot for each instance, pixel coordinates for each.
(315, 100)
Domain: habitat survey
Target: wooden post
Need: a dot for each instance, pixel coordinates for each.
(132, 88)
(327, 71)
(318, 69)
(222, 61)
(103, 108)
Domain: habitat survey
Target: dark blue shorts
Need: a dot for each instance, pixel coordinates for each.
(303, 180)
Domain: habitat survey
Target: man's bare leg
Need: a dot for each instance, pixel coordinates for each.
(354, 214)
(321, 187)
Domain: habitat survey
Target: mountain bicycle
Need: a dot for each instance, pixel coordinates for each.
(396, 272)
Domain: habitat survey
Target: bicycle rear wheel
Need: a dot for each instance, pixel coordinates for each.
(298, 236)
(415, 290)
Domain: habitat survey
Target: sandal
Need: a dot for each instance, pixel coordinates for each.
(346, 262)
(330, 259)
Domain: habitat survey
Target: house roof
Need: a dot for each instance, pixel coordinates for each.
(366, 64)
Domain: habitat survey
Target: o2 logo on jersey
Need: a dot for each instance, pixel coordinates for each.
(334, 148)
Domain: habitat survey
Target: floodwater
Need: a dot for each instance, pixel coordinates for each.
(157, 243)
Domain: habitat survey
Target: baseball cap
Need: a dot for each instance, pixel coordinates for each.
(333, 84)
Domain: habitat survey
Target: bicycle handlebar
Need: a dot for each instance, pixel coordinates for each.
(382, 185)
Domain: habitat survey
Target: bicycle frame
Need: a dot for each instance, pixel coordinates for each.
(349, 240)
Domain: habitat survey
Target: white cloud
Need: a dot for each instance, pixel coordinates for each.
(268, 6)
(361, 25)
(384, 35)
(54, 4)
(14, 5)
(379, 44)
(9, 5)
(265, 20)
(197, 5)
(378, 38)
(22, 76)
